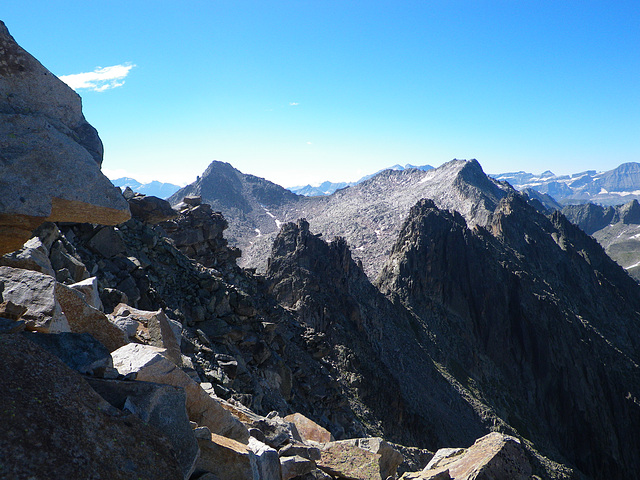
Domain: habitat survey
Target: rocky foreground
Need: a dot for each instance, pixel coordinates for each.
(502, 344)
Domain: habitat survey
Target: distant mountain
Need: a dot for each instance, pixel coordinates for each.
(368, 215)
(612, 187)
(252, 205)
(155, 188)
(492, 316)
(327, 188)
(616, 228)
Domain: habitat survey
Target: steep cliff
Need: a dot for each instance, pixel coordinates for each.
(539, 321)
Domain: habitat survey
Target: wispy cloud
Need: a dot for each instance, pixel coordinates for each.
(101, 79)
(293, 104)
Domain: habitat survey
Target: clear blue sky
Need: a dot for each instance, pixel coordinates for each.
(304, 91)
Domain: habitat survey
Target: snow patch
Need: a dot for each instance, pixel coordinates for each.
(632, 266)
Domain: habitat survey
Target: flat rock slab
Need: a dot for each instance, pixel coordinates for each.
(227, 459)
(54, 425)
(493, 457)
(83, 318)
(150, 365)
(308, 429)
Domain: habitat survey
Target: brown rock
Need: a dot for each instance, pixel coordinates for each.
(308, 429)
(390, 458)
(12, 311)
(154, 328)
(493, 457)
(37, 292)
(343, 460)
(55, 426)
(227, 459)
(43, 137)
(82, 318)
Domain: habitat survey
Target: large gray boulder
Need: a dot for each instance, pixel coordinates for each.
(149, 364)
(50, 156)
(37, 293)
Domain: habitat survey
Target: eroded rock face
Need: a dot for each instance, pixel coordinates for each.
(43, 137)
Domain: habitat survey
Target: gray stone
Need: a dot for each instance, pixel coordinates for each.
(37, 292)
(150, 209)
(154, 328)
(89, 289)
(296, 466)
(150, 365)
(267, 460)
(32, 256)
(44, 138)
(107, 242)
(161, 406)
(63, 260)
(299, 449)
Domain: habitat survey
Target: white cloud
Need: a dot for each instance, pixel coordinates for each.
(293, 104)
(308, 143)
(100, 79)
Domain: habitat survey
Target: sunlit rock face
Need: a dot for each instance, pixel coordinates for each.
(50, 156)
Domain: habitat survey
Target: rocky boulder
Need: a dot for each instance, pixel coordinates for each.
(149, 364)
(43, 137)
(37, 293)
(150, 209)
(492, 457)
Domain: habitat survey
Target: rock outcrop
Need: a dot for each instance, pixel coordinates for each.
(492, 457)
(43, 137)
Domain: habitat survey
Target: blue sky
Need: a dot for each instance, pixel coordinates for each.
(304, 91)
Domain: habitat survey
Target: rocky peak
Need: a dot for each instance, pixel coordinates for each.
(505, 288)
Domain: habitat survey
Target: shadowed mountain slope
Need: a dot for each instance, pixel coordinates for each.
(539, 322)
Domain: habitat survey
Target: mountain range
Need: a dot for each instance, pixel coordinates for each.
(327, 188)
(613, 187)
(453, 279)
(154, 188)
(431, 309)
